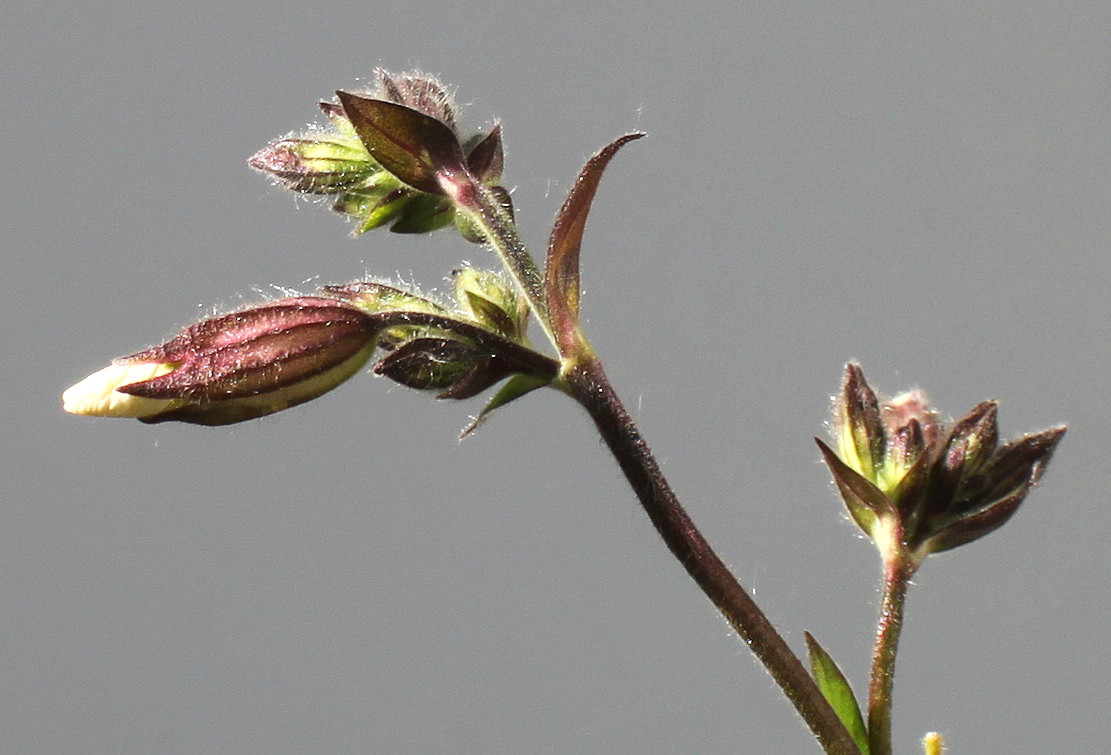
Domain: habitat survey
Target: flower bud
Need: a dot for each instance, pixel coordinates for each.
(316, 164)
(490, 300)
(486, 156)
(429, 363)
(458, 368)
(911, 425)
(914, 484)
(418, 91)
(383, 155)
(857, 424)
(236, 366)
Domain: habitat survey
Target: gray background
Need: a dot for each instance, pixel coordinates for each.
(924, 188)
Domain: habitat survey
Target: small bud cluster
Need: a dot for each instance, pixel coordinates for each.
(917, 485)
(388, 159)
(343, 162)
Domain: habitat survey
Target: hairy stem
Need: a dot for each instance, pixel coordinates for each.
(897, 572)
(588, 384)
(484, 208)
(584, 379)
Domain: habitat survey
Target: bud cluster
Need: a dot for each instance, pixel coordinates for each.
(458, 351)
(917, 485)
(339, 161)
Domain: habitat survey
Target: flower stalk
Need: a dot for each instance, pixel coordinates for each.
(897, 574)
(917, 486)
(583, 378)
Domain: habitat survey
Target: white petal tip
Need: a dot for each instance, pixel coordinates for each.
(96, 395)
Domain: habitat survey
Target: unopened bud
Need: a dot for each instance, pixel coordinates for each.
(234, 367)
(935, 486)
(429, 363)
(383, 157)
(418, 91)
(316, 164)
(491, 300)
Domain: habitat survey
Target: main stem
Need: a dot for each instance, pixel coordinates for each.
(897, 572)
(584, 379)
(588, 384)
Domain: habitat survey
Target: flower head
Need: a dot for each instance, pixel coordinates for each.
(918, 485)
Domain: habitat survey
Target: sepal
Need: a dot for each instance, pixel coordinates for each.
(487, 297)
(414, 146)
(316, 163)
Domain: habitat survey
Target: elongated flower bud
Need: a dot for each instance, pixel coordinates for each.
(316, 164)
(234, 367)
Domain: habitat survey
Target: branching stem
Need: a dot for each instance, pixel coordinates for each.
(484, 208)
(583, 378)
(588, 384)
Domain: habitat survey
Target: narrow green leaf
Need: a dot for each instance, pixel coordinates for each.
(514, 388)
(411, 145)
(561, 277)
(835, 687)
